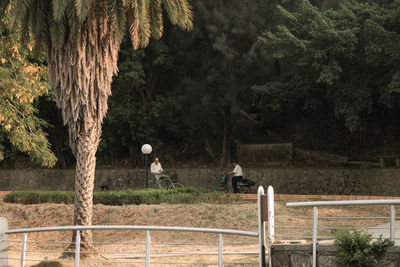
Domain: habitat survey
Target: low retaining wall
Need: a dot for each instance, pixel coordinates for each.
(376, 182)
(301, 256)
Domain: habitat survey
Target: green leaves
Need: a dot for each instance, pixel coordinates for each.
(346, 55)
(356, 248)
(126, 197)
(21, 84)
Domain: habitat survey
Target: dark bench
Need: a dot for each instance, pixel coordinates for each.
(384, 158)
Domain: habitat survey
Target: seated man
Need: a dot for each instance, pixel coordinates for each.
(157, 171)
(237, 176)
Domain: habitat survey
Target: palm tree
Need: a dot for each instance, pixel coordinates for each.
(82, 39)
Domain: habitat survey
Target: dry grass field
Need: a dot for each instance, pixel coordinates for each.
(128, 246)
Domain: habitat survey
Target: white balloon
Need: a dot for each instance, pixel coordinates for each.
(146, 149)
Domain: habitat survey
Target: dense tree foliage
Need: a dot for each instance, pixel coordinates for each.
(190, 88)
(23, 79)
(321, 74)
(337, 65)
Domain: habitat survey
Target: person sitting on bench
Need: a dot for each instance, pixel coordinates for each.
(157, 171)
(237, 176)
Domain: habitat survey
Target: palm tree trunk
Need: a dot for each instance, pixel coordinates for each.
(84, 183)
(81, 72)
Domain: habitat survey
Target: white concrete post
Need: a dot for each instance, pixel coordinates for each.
(3, 242)
(77, 248)
(271, 214)
(148, 241)
(315, 237)
(220, 251)
(261, 229)
(392, 222)
(23, 249)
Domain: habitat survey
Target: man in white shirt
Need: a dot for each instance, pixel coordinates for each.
(237, 176)
(157, 171)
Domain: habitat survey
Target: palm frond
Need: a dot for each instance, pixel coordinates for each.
(43, 11)
(72, 19)
(25, 29)
(133, 23)
(172, 10)
(144, 22)
(58, 32)
(20, 11)
(38, 22)
(59, 7)
(179, 13)
(185, 15)
(157, 24)
(82, 8)
(118, 17)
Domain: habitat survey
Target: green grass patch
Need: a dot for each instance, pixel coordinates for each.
(125, 197)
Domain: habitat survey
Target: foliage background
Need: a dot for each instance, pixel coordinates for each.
(321, 74)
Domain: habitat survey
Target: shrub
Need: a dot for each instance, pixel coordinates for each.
(125, 197)
(37, 197)
(356, 248)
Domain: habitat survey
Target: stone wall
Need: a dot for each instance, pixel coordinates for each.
(301, 256)
(329, 181)
(62, 180)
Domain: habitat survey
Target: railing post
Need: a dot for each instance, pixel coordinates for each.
(3, 242)
(147, 248)
(271, 221)
(77, 247)
(261, 229)
(23, 249)
(392, 222)
(271, 213)
(314, 237)
(220, 250)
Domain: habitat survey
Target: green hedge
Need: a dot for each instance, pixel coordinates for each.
(126, 197)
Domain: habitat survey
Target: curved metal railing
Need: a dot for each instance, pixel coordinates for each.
(146, 254)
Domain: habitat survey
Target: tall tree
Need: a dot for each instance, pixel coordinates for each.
(22, 82)
(82, 39)
(223, 65)
(340, 64)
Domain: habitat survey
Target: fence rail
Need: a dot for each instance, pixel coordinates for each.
(134, 227)
(147, 253)
(344, 203)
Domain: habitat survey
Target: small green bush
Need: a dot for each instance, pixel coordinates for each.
(37, 197)
(356, 248)
(125, 197)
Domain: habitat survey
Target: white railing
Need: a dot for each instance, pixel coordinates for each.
(316, 204)
(148, 229)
